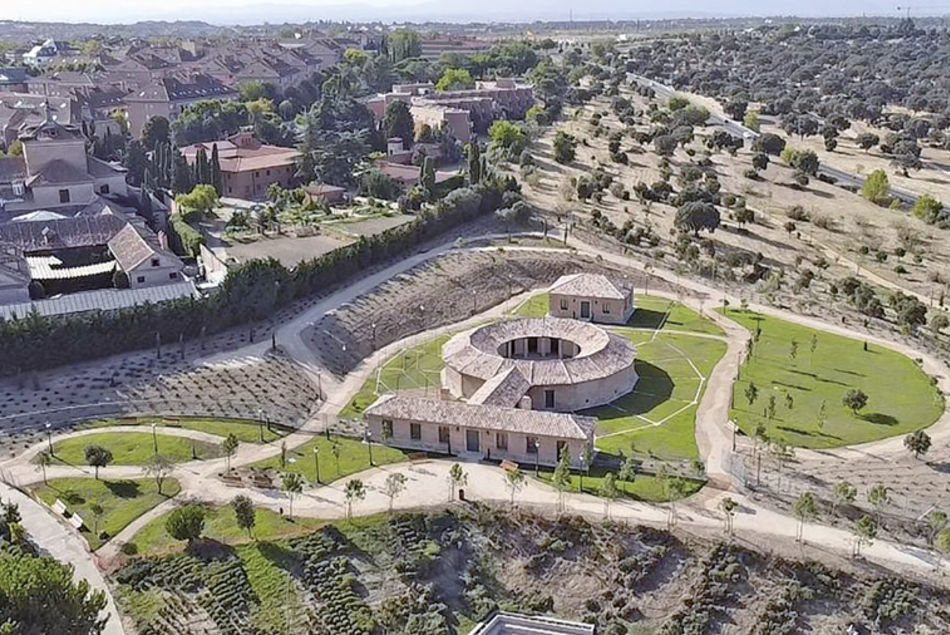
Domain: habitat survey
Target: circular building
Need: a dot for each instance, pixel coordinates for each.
(542, 364)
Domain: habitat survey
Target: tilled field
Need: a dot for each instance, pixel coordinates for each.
(439, 292)
(440, 572)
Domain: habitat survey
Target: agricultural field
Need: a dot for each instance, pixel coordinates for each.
(442, 572)
(122, 501)
(135, 448)
(801, 376)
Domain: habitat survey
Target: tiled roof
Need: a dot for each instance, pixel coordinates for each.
(590, 285)
(602, 354)
(129, 248)
(504, 389)
(456, 413)
(81, 231)
(59, 172)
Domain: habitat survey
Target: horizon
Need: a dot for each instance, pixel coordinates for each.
(222, 13)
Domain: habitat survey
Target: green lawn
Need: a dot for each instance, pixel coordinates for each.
(645, 487)
(534, 307)
(122, 501)
(413, 369)
(221, 526)
(245, 431)
(658, 417)
(901, 397)
(353, 458)
(134, 448)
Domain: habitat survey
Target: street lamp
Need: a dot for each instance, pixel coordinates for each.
(316, 462)
(537, 458)
(374, 335)
(369, 444)
(474, 306)
(49, 438)
(260, 422)
(154, 438)
(583, 468)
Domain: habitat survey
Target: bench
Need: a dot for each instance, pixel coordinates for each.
(417, 456)
(172, 422)
(59, 507)
(76, 521)
(509, 466)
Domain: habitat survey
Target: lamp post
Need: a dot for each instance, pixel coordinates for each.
(49, 438)
(537, 458)
(373, 325)
(154, 438)
(316, 462)
(583, 468)
(369, 444)
(474, 306)
(260, 422)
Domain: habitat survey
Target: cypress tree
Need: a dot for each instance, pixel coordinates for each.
(202, 169)
(216, 171)
(474, 164)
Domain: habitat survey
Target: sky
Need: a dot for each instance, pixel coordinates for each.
(277, 11)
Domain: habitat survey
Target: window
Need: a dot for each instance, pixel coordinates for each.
(606, 308)
(564, 304)
(140, 279)
(268, 173)
(443, 434)
(64, 196)
(387, 428)
(415, 431)
(501, 440)
(156, 262)
(173, 275)
(104, 189)
(549, 398)
(531, 445)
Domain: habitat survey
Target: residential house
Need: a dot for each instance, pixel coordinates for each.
(168, 96)
(592, 297)
(248, 167)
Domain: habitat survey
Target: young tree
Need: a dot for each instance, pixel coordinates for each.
(822, 416)
(564, 147)
(395, 484)
(729, 506)
(805, 509)
(937, 519)
(354, 490)
(608, 491)
(942, 542)
(229, 446)
(697, 215)
(186, 523)
(457, 478)
(867, 140)
(855, 400)
(97, 512)
(844, 492)
(455, 79)
(628, 470)
(244, 514)
(865, 531)
(751, 393)
(793, 350)
(292, 483)
(159, 468)
(98, 456)
(43, 460)
(876, 187)
(514, 481)
(561, 479)
(918, 443)
(879, 496)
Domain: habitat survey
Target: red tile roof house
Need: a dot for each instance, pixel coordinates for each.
(408, 175)
(248, 167)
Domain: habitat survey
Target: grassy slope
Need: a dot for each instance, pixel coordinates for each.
(245, 431)
(122, 500)
(133, 448)
(901, 397)
(644, 487)
(354, 457)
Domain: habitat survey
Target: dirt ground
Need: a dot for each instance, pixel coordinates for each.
(287, 249)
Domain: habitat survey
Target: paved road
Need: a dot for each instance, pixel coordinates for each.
(738, 130)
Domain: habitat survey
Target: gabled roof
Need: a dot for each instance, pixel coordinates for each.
(455, 413)
(129, 248)
(58, 172)
(79, 231)
(504, 389)
(589, 285)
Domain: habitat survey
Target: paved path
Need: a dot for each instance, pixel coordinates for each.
(57, 539)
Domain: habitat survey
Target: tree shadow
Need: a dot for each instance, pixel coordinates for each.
(654, 387)
(850, 372)
(879, 418)
(208, 549)
(278, 555)
(795, 386)
(808, 433)
(646, 318)
(124, 489)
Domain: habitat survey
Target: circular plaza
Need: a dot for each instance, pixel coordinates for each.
(539, 363)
